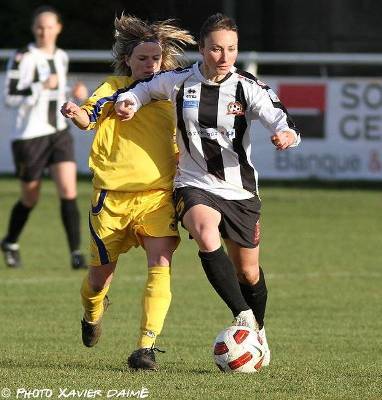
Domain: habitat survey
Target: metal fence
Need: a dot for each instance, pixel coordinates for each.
(249, 59)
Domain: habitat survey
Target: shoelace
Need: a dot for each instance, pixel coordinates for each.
(239, 321)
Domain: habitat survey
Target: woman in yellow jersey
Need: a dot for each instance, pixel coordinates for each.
(132, 179)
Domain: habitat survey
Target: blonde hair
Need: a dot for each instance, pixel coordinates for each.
(131, 31)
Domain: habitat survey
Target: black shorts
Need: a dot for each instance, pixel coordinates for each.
(32, 156)
(240, 219)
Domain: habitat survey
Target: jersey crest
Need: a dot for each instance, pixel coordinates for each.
(235, 108)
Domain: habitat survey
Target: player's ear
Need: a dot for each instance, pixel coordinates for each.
(127, 60)
(59, 28)
(201, 48)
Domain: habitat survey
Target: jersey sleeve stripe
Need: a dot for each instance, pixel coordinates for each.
(96, 108)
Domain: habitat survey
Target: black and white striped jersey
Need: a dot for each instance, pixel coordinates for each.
(213, 121)
(36, 110)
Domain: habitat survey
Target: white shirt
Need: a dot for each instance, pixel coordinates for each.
(36, 110)
(213, 126)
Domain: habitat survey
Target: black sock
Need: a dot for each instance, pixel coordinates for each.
(71, 219)
(256, 297)
(222, 276)
(17, 220)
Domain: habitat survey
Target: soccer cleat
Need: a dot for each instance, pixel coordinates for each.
(264, 342)
(91, 331)
(78, 260)
(246, 318)
(143, 359)
(11, 253)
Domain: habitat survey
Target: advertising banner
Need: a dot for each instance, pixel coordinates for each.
(340, 120)
(341, 125)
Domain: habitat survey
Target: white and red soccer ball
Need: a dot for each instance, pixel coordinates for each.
(238, 349)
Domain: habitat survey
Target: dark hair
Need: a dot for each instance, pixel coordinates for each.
(216, 22)
(44, 9)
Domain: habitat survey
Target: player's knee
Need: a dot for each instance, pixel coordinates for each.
(68, 193)
(208, 238)
(249, 275)
(98, 279)
(30, 200)
(161, 254)
(30, 193)
(162, 259)
(97, 286)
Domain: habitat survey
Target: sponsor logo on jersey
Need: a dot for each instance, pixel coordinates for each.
(212, 133)
(190, 104)
(235, 108)
(191, 94)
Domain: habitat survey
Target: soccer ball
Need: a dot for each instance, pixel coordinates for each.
(238, 349)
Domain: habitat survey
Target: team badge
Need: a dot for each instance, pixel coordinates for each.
(235, 108)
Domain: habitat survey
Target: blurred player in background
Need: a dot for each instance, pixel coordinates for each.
(133, 165)
(216, 191)
(36, 86)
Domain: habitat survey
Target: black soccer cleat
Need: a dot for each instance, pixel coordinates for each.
(78, 260)
(143, 359)
(11, 253)
(91, 332)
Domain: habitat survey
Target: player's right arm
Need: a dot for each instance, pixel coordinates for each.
(95, 108)
(160, 87)
(78, 115)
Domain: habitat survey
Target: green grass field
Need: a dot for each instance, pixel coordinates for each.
(321, 250)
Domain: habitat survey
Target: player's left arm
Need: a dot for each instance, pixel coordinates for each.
(266, 106)
(284, 139)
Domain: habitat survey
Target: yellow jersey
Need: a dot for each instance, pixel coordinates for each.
(135, 155)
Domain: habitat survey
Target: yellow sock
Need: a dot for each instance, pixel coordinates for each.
(92, 301)
(156, 302)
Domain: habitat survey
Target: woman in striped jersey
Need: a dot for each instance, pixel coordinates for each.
(216, 192)
(35, 89)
